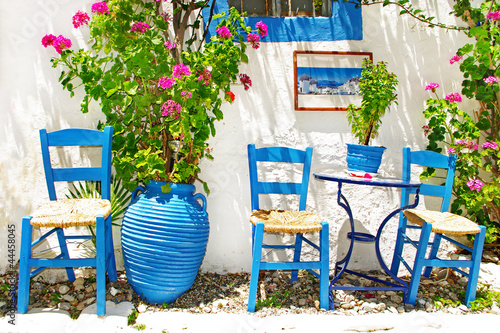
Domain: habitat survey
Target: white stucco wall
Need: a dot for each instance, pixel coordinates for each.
(31, 98)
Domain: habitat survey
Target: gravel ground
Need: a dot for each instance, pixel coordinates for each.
(228, 293)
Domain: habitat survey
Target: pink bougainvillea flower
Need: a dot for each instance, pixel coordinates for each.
(100, 7)
(453, 97)
(254, 39)
(451, 150)
(467, 144)
(170, 45)
(426, 129)
(475, 184)
(139, 26)
(166, 16)
(165, 82)
(490, 144)
(223, 31)
(80, 18)
(180, 69)
(432, 86)
(455, 58)
(186, 94)
(61, 43)
(47, 40)
(230, 96)
(171, 108)
(490, 79)
(494, 16)
(261, 29)
(245, 79)
(204, 76)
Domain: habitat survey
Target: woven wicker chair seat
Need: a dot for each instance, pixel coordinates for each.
(287, 221)
(65, 213)
(443, 223)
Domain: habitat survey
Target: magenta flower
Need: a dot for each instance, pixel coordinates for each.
(451, 150)
(61, 43)
(432, 86)
(165, 82)
(139, 26)
(171, 108)
(166, 16)
(490, 144)
(490, 79)
(455, 58)
(100, 7)
(186, 94)
(245, 79)
(475, 184)
(223, 31)
(494, 16)
(205, 76)
(180, 69)
(170, 45)
(254, 39)
(453, 97)
(426, 129)
(80, 18)
(261, 29)
(47, 40)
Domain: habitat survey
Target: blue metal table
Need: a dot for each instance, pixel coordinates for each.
(341, 265)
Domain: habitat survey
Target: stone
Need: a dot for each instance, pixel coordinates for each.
(68, 298)
(65, 306)
(78, 282)
(302, 302)
(347, 306)
(142, 308)
(113, 291)
(396, 299)
(63, 289)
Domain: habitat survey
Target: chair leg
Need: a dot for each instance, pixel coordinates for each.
(476, 256)
(419, 263)
(64, 250)
(23, 288)
(100, 266)
(256, 259)
(433, 253)
(296, 255)
(325, 267)
(398, 250)
(110, 252)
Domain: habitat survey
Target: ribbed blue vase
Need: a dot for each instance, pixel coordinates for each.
(364, 158)
(164, 238)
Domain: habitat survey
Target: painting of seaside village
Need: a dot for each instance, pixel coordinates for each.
(328, 81)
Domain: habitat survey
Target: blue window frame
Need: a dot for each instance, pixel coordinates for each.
(345, 24)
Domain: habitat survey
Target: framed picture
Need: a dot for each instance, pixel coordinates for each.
(327, 80)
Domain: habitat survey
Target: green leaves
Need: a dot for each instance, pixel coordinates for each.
(378, 89)
(160, 130)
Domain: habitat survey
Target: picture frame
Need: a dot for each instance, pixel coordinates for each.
(327, 80)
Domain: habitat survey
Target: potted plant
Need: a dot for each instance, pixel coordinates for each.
(161, 85)
(378, 91)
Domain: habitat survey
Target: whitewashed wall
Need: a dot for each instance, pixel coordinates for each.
(31, 98)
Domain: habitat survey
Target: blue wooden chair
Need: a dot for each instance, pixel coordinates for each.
(285, 221)
(441, 224)
(63, 213)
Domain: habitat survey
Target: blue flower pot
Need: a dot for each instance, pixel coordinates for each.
(364, 158)
(164, 240)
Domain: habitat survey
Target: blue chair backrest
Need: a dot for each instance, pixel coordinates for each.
(279, 155)
(78, 137)
(434, 160)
